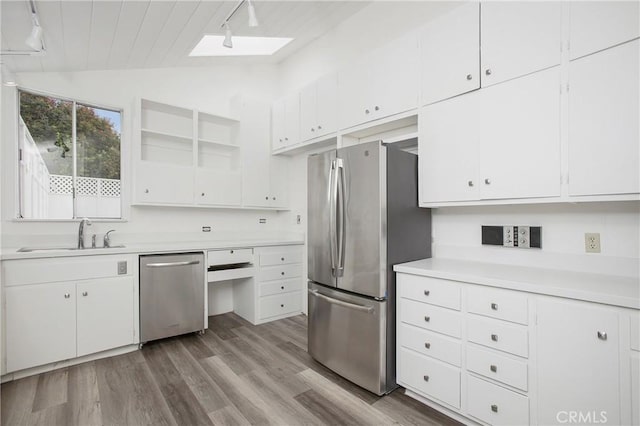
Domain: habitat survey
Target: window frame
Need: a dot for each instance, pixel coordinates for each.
(123, 175)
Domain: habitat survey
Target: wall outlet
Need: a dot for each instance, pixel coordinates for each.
(592, 242)
(262, 220)
(206, 229)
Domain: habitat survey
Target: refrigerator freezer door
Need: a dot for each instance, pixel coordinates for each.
(363, 260)
(347, 333)
(321, 199)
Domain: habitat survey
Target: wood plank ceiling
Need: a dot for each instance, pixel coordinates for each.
(124, 34)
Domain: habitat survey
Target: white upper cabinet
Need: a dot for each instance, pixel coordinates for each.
(518, 38)
(450, 54)
(383, 83)
(597, 25)
(285, 118)
(520, 137)
(448, 150)
(318, 103)
(164, 183)
(603, 122)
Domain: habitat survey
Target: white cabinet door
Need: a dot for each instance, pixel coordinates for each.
(292, 119)
(518, 38)
(104, 314)
(354, 93)
(279, 182)
(597, 25)
(40, 324)
(578, 362)
(218, 187)
(327, 105)
(308, 112)
(520, 137)
(278, 124)
(450, 54)
(164, 183)
(255, 154)
(448, 154)
(603, 122)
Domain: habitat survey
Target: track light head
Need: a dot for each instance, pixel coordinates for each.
(253, 19)
(34, 40)
(227, 36)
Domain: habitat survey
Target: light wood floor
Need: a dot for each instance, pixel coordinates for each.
(235, 373)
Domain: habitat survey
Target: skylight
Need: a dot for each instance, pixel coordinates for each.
(211, 45)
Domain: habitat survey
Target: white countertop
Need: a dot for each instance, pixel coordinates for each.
(152, 247)
(606, 289)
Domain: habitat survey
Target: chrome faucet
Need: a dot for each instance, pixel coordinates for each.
(83, 222)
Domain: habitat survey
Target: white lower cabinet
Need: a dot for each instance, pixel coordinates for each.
(521, 358)
(90, 311)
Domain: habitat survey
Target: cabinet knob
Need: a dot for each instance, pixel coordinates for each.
(274, 198)
(487, 181)
(203, 194)
(602, 335)
(469, 76)
(313, 130)
(366, 111)
(282, 306)
(282, 259)
(494, 306)
(425, 378)
(146, 191)
(282, 273)
(280, 139)
(286, 139)
(85, 294)
(426, 292)
(281, 287)
(67, 295)
(494, 368)
(427, 319)
(494, 408)
(319, 127)
(231, 251)
(427, 345)
(487, 71)
(494, 337)
(470, 183)
(377, 108)
(266, 198)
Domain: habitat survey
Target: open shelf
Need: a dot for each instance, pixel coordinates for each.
(166, 134)
(220, 144)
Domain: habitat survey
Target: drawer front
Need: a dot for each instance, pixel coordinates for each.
(497, 366)
(279, 287)
(496, 405)
(432, 344)
(282, 272)
(431, 317)
(635, 331)
(499, 335)
(280, 304)
(228, 257)
(281, 258)
(501, 304)
(429, 377)
(430, 290)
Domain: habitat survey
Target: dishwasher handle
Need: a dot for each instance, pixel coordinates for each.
(170, 264)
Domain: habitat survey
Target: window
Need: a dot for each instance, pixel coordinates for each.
(69, 159)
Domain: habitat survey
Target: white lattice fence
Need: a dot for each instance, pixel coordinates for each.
(63, 185)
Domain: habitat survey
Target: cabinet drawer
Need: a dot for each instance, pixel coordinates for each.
(496, 366)
(282, 258)
(430, 290)
(432, 344)
(635, 332)
(429, 376)
(280, 304)
(496, 405)
(229, 257)
(499, 335)
(279, 287)
(271, 273)
(430, 317)
(501, 304)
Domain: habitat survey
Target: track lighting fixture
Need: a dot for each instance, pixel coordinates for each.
(227, 36)
(34, 41)
(253, 21)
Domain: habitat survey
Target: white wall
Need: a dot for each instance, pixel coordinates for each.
(206, 89)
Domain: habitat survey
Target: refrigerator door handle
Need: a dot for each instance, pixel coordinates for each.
(341, 216)
(361, 308)
(333, 205)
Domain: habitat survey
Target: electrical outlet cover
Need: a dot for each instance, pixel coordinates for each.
(592, 242)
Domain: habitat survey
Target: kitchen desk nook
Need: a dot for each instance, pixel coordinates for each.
(66, 307)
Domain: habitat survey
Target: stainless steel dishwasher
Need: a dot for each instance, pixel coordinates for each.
(171, 295)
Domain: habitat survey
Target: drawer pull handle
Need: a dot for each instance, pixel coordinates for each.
(494, 408)
(494, 306)
(494, 337)
(282, 273)
(67, 295)
(85, 293)
(602, 335)
(426, 378)
(494, 368)
(427, 319)
(426, 292)
(427, 345)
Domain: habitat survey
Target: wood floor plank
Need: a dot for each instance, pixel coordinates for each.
(197, 347)
(228, 416)
(17, 400)
(51, 390)
(184, 405)
(83, 396)
(229, 351)
(408, 411)
(57, 415)
(325, 410)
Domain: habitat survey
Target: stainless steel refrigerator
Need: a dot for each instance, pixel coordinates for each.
(363, 218)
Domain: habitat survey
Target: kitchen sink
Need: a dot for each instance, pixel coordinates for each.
(30, 249)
